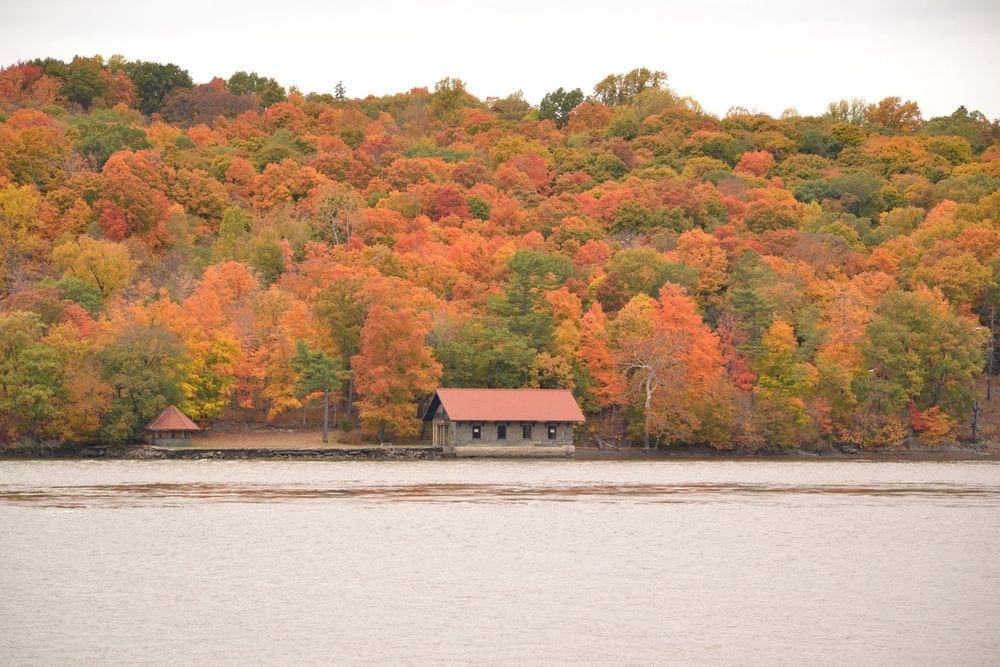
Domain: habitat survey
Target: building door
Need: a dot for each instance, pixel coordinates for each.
(440, 438)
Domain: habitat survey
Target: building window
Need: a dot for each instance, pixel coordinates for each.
(477, 432)
(526, 431)
(501, 431)
(552, 431)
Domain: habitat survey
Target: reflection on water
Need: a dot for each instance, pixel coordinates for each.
(499, 562)
(165, 494)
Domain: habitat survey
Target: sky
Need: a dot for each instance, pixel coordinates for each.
(764, 55)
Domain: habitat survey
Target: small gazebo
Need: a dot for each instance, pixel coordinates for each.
(171, 427)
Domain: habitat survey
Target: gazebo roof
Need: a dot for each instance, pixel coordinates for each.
(172, 419)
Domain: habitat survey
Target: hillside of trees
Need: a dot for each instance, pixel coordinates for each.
(743, 282)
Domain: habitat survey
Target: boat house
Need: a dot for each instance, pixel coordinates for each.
(503, 422)
(171, 428)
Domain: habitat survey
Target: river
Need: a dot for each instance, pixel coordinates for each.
(499, 562)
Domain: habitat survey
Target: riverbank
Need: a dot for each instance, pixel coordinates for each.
(951, 452)
(147, 452)
(294, 447)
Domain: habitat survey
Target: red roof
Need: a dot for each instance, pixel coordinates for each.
(172, 419)
(523, 405)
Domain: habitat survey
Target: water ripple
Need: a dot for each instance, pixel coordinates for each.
(200, 492)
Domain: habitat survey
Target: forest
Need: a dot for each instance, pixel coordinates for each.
(242, 250)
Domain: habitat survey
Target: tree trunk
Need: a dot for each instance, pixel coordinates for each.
(648, 385)
(326, 415)
(975, 422)
(992, 353)
(350, 396)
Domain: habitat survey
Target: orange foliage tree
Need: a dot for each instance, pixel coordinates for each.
(674, 367)
(394, 370)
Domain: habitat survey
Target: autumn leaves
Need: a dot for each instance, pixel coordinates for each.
(744, 281)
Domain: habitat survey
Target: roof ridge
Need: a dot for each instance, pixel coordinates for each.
(500, 389)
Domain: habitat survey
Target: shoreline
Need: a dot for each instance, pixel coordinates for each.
(949, 453)
(342, 452)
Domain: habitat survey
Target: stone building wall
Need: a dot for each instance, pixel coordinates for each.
(462, 433)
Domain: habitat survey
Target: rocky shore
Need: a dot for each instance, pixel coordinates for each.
(914, 452)
(146, 452)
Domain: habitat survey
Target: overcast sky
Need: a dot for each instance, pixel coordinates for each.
(765, 55)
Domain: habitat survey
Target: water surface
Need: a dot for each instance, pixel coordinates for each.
(492, 562)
